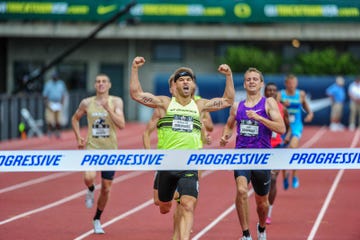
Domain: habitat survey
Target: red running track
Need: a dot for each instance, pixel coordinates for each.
(44, 205)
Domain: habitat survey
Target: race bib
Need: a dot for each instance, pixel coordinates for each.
(274, 134)
(291, 118)
(249, 128)
(100, 129)
(182, 123)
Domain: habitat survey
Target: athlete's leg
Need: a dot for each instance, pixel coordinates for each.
(185, 216)
(89, 178)
(273, 189)
(241, 202)
(272, 194)
(176, 220)
(294, 143)
(262, 208)
(167, 183)
(102, 201)
(155, 190)
(164, 207)
(104, 193)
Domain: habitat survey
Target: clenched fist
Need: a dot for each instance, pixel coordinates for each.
(138, 61)
(224, 69)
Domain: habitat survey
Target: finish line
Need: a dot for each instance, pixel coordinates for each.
(204, 159)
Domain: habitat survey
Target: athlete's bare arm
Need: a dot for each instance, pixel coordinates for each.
(229, 125)
(150, 127)
(79, 113)
(136, 91)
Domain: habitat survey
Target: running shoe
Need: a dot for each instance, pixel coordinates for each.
(97, 227)
(89, 199)
(295, 182)
(268, 220)
(286, 182)
(260, 235)
(246, 238)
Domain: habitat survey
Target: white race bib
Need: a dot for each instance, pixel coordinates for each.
(100, 129)
(249, 128)
(291, 118)
(182, 123)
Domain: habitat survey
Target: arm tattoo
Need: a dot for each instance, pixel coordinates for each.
(146, 99)
(217, 104)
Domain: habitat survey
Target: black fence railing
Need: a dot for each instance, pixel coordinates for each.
(11, 116)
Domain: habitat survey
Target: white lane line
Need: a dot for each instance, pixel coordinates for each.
(325, 205)
(315, 138)
(355, 139)
(67, 199)
(218, 219)
(124, 215)
(34, 181)
(331, 193)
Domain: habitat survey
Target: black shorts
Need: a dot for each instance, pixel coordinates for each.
(108, 175)
(260, 179)
(185, 182)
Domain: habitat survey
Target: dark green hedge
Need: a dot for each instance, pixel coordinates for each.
(326, 61)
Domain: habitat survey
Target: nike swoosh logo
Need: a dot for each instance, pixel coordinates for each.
(266, 183)
(101, 10)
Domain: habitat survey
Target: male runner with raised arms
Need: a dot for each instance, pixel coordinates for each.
(180, 128)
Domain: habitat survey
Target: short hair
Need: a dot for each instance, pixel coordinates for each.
(103, 75)
(290, 76)
(171, 80)
(252, 69)
(184, 71)
(270, 84)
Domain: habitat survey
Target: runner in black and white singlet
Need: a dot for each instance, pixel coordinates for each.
(104, 115)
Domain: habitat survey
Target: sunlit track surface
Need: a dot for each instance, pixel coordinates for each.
(44, 205)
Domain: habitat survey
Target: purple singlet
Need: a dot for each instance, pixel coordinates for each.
(251, 133)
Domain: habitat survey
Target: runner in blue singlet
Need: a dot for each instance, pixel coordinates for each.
(295, 101)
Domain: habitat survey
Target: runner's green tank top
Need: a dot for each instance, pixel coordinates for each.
(180, 128)
(101, 129)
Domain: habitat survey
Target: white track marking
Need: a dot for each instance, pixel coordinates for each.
(218, 219)
(34, 181)
(124, 215)
(315, 138)
(67, 199)
(331, 193)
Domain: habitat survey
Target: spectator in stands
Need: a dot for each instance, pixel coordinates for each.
(336, 92)
(54, 93)
(354, 94)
